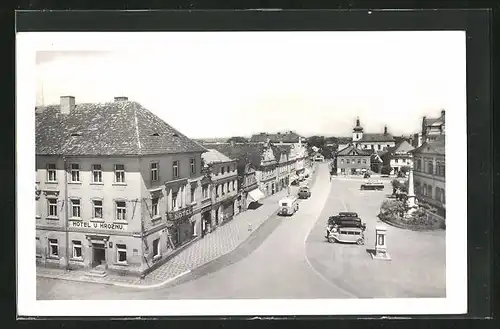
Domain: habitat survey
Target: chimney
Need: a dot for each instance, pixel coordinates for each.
(385, 130)
(67, 104)
(121, 99)
(442, 113)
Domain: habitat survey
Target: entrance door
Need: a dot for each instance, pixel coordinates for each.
(217, 217)
(99, 254)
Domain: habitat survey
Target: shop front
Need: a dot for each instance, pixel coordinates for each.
(206, 220)
(182, 229)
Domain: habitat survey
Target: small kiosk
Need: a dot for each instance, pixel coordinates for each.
(380, 244)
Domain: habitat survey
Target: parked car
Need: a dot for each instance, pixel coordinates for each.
(304, 192)
(379, 186)
(345, 227)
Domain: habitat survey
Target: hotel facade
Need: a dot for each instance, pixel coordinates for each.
(117, 188)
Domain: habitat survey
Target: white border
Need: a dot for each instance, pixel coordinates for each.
(456, 191)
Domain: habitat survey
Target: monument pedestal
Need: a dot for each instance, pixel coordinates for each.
(380, 246)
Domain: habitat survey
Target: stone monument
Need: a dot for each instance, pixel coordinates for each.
(410, 201)
(380, 244)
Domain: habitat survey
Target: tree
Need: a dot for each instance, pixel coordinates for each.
(386, 170)
(405, 169)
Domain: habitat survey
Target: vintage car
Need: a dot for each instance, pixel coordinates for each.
(345, 227)
(288, 206)
(378, 185)
(304, 192)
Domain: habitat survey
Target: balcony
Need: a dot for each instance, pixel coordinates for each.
(175, 215)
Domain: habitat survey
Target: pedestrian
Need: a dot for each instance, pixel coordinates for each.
(330, 177)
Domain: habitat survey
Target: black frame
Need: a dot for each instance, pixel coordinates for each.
(479, 127)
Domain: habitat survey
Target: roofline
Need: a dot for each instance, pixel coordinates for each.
(115, 155)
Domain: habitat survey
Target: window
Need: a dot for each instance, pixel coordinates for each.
(121, 253)
(437, 194)
(364, 161)
(121, 210)
(75, 208)
(77, 249)
(193, 166)
(440, 169)
(175, 169)
(154, 207)
(430, 167)
(38, 247)
(359, 161)
(193, 194)
(51, 172)
(97, 213)
(373, 147)
(341, 160)
(156, 248)
(75, 172)
(96, 173)
(53, 248)
(443, 199)
(223, 187)
(348, 161)
(222, 170)
(418, 164)
(174, 200)
(204, 190)
(154, 171)
(234, 185)
(119, 173)
(396, 160)
(228, 169)
(52, 205)
(379, 146)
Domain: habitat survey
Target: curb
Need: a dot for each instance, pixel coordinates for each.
(411, 228)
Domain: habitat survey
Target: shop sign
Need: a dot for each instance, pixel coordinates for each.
(98, 226)
(178, 214)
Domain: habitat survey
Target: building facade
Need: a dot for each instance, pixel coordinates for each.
(224, 186)
(398, 157)
(368, 141)
(429, 173)
(432, 129)
(352, 161)
(118, 189)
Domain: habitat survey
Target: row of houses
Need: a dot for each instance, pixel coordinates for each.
(118, 189)
(425, 153)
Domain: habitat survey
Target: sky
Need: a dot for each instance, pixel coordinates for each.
(225, 84)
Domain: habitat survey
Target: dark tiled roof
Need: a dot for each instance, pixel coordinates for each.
(347, 150)
(344, 140)
(245, 153)
(288, 137)
(367, 137)
(118, 128)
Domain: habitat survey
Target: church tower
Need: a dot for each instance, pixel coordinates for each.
(357, 132)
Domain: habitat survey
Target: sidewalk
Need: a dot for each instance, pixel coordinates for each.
(221, 241)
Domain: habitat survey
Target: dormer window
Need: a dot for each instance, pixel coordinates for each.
(155, 134)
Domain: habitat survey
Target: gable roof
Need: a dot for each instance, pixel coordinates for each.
(245, 153)
(401, 147)
(116, 128)
(352, 150)
(367, 137)
(434, 121)
(214, 156)
(433, 147)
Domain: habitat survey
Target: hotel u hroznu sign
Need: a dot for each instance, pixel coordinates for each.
(98, 225)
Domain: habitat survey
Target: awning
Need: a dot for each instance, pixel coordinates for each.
(255, 195)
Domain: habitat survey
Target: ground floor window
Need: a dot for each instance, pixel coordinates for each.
(38, 247)
(193, 229)
(121, 253)
(156, 248)
(53, 248)
(77, 249)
